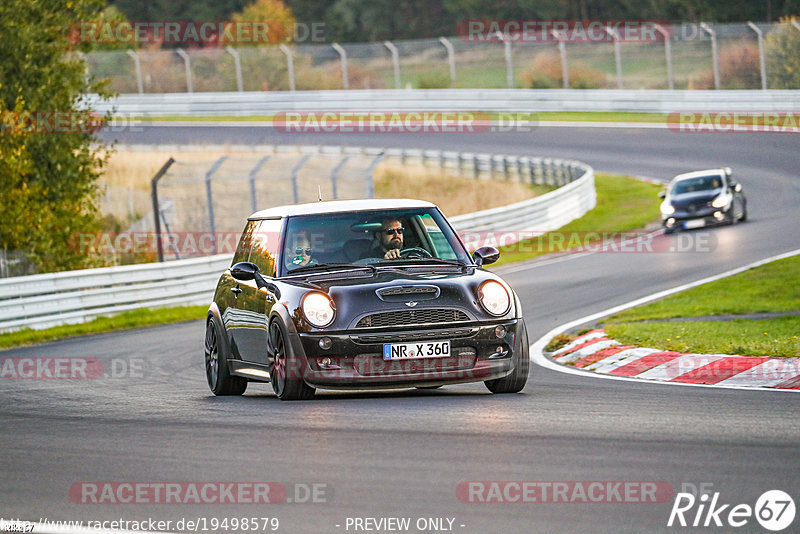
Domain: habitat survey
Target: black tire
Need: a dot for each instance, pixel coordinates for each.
(285, 374)
(743, 218)
(668, 231)
(514, 382)
(220, 381)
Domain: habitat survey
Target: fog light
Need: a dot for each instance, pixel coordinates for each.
(718, 215)
(500, 331)
(325, 343)
(670, 222)
(327, 364)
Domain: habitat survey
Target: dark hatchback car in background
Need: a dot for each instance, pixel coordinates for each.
(312, 301)
(702, 198)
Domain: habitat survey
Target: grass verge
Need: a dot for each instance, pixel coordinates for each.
(768, 288)
(123, 321)
(623, 204)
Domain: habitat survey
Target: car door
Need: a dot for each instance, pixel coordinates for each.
(253, 304)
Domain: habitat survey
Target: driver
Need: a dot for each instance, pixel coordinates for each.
(389, 240)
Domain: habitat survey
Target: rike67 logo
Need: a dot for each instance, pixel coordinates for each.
(774, 510)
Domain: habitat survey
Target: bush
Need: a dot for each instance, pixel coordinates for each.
(434, 80)
(738, 68)
(545, 73)
(783, 56)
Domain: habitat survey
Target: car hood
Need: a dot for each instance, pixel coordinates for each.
(405, 289)
(693, 198)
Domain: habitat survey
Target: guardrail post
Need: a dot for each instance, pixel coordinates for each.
(509, 61)
(476, 169)
(451, 59)
(137, 64)
(370, 189)
(156, 208)
(188, 67)
(668, 54)
(335, 176)
(714, 58)
(395, 62)
(617, 55)
(289, 65)
(210, 198)
(562, 51)
(343, 56)
(237, 64)
(295, 170)
(761, 61)
(252, 178)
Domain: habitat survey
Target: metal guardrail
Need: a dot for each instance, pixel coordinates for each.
(45, 300)
(499, 100)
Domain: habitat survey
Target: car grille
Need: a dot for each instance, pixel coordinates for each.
(412, 317)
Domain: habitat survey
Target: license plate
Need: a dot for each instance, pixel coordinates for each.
(423, 349)
(695, 223)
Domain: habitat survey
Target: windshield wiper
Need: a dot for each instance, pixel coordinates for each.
(326, 266)
(420, 261)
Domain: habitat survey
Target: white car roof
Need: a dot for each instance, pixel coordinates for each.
(696, 174)
(340, 206)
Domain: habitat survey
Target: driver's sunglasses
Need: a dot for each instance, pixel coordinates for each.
(299, 251)
(393, 231)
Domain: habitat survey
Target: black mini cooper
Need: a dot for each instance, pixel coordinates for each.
(361, 294)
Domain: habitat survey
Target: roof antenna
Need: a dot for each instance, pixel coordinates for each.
(319, 192)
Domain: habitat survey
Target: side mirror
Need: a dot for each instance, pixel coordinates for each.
(662, 194)
(485, 256)
(244, 271)
(728, 171)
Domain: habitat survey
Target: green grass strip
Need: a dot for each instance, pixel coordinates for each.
(770, 337)
(123, 321)
(623, 204)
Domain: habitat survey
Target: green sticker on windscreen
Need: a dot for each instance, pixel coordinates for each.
(297, 260)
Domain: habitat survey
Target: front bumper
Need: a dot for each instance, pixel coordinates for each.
(355, 359)
(683, 220)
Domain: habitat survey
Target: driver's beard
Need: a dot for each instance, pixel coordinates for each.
(394, 245)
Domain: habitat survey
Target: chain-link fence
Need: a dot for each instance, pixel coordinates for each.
(694, 56)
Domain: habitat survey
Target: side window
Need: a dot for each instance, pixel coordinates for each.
(266, 243)
(245, 243)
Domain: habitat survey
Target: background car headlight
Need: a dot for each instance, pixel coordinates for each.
(721, 201)
(318, 309)
(666, 208)
(494, 298)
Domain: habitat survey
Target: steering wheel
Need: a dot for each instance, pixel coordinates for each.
(415, 252)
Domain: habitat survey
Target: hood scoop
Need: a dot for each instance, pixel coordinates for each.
(405, 293)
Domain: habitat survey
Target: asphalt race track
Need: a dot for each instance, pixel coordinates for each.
(404, 453)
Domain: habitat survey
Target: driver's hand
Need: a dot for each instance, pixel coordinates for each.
(392, 254)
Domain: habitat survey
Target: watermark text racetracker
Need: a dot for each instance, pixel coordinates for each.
(70, 368)
(571, 31)
(530, 241)
(548, 492)
(734, 122)
(202, 33)
(429, 122)
(198, 492)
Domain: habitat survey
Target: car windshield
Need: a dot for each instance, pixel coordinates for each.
(700, 183)
(380, 237)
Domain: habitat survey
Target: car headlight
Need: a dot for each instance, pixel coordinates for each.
(666, 208)
(494, 298)
(721, 201)
(318, 309)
